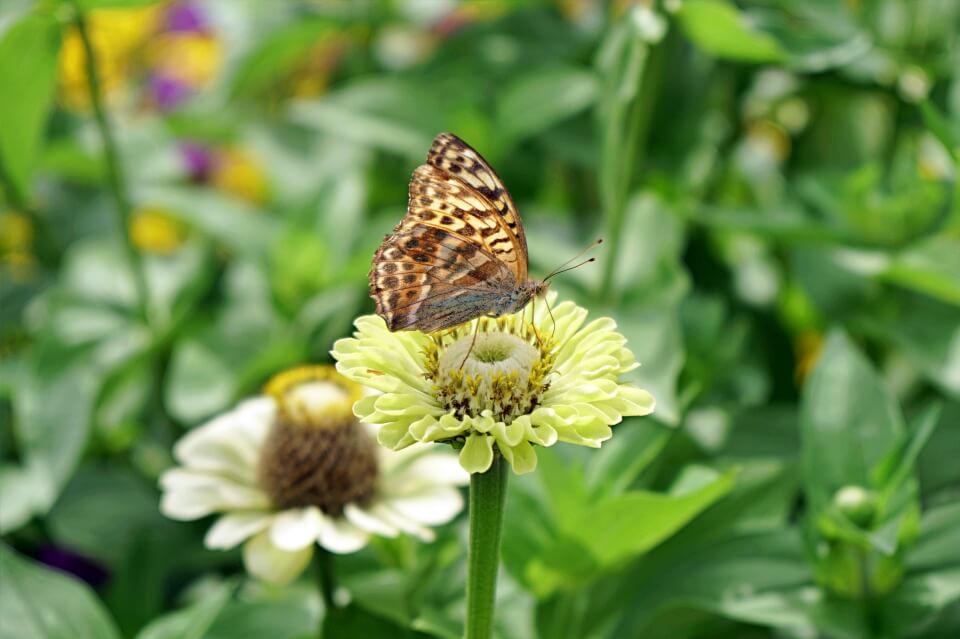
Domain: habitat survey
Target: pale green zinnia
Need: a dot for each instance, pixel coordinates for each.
(524, 384)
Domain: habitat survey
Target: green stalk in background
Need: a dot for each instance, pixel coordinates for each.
(115, 176)
(487, 495)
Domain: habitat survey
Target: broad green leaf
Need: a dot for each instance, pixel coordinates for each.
(115, 4)
(620, 527)
(286, 617)
(21, 495)
(848, 421)
(37, 603)
(353, 622)
(900, 464)
(193, 622)
(717, 27)
(53, 413)
(942, 128)
(28, 73)
(538, 100)
(201, 381)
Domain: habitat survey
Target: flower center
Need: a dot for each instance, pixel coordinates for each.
(500, 369)
(316, 453)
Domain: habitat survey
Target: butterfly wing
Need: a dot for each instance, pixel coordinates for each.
(457, 159)
(458, 253)
(435, 271)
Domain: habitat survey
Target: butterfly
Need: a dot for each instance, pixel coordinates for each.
(459, 252)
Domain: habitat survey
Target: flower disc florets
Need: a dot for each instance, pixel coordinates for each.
(529, 379)
(499, 370)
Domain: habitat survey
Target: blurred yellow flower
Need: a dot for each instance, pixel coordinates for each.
(238, 173)
(156, 231)
(116, 35)
(16, 244)
(192, 58)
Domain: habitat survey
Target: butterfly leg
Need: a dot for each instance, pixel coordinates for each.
(472, 344)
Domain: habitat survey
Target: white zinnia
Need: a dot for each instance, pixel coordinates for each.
(220, 472)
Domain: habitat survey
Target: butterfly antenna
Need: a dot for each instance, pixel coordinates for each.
(553, 321)
(570, 268)
(561, 269)
(473, 343)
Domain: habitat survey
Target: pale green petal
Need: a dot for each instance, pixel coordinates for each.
(522, 457)
(265, 561)
(476, 456)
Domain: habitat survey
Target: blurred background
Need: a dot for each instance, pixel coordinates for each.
(775, 182)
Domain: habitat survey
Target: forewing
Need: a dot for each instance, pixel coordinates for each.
(457, 159)
(427, 278)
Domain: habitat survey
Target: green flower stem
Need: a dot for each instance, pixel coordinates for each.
(487, 493)
(326, 577)
(114, 173)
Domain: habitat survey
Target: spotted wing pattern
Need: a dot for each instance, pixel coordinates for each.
(455, 157)
(454, 256)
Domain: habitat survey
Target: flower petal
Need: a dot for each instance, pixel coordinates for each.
(432, 508)
(364, 520)
(296, 529)
(231, 529)
(340, 536)
(265, 561)
(476, 456)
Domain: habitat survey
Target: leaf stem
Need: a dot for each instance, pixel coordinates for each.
(487, 495)
(115, 176)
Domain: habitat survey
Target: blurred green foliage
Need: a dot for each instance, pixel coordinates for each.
(776, 182)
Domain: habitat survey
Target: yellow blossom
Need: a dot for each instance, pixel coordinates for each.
(156, 231)
(191, 58)
(238, 173)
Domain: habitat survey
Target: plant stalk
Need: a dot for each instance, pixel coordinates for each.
(326, 578)
(487, 495)
(115, 178)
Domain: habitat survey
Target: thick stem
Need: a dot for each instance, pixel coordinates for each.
(114, 173)
(487, 494)
(326, 578)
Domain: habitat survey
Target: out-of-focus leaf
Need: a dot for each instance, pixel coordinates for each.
(20, 495)
(941, 127)
(848, 421)
(360, 113)
(278, 53)
(931, 266)
(201, 381)
(635, 446)
(538, 100)
(28, 71)
(53, 411)
(718, 28)
(353, 622)
(114, 4)
(900, 463)
(286, 617)
(36, 603)
(99, 511)
(191, 623)
(238, 226)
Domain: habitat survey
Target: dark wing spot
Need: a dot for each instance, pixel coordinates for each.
(389, 282)
(389, 267)
(421, 257)
(394, 299)
(413, 243)
(439, 234)
(467, 231)
(427, 215)
(412, 293)
(446, 220)
(425, 200)
(409, 279)
(454, 168)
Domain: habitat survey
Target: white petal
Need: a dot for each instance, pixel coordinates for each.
(191, 495)
(340, 536)
(296, 529)
(231, 442)
(231, 529)
(435, 507)
(366, 521)
(383, 511)
(267, 562)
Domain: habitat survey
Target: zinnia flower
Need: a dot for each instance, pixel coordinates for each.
(521, 383)
(294, 467)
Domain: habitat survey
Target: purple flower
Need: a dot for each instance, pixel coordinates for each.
(168, 93)
(198, 160)
(187, 17)
(67, 561)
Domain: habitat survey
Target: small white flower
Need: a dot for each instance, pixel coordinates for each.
(294, 467)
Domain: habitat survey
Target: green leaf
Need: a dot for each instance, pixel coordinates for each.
(192, 622)
(931, 266)
(717, 27)
(900, 464)
(538, 100)
(278, 53)
(21, 495)
(848, 421)
(28, 70)
(114, 4)
(620, 527)
(353, 622)
(41, 604)
(53, 409)
(941, 128)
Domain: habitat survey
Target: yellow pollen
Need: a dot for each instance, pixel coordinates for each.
(314, 396)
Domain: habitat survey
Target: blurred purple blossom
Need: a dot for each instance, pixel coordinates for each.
(67, 561)
(198, 160)
(186, 17)
(168, 93)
